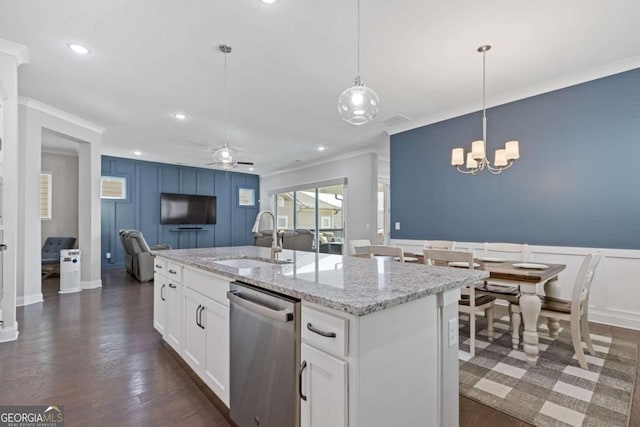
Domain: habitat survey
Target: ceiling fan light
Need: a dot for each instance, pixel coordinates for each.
(358, 104)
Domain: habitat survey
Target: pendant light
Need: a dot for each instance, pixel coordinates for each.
(225, 156)
(358, 104)
(476, 159)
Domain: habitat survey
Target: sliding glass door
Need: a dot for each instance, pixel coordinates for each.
(312, 219)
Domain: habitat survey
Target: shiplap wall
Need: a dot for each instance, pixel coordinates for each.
(141, 209)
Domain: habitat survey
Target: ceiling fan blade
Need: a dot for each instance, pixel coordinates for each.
(245, 163)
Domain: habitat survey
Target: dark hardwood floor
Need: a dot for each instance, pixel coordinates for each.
(96, 353)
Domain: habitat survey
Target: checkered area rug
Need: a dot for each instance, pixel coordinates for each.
(557, 392)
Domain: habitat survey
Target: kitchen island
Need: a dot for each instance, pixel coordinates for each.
(389, 358)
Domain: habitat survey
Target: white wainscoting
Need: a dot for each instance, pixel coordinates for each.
(615, 292)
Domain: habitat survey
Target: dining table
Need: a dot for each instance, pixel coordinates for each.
(529, 278)
(529, 282)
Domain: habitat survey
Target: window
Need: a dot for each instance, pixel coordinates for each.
(325, 222)
(46, 179)
(113, 187)
(283, 221)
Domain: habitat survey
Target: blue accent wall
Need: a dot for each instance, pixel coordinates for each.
(577, 182)
(141, 210)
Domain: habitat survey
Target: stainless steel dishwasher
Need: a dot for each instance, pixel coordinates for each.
(265, 357)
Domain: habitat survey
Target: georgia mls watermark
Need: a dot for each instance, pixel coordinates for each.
(32, 416)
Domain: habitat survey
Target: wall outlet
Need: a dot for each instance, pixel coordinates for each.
(453, 332)
(397, 226)
(108, 255)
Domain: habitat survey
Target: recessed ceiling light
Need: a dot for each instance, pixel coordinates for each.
(321, 148)
(77, 48)
(180, 116)
(251, 168)
(137, 153)
(269, 1)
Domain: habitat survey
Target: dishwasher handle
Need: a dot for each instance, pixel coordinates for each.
(279, 315)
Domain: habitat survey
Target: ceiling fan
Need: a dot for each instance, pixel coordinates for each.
(225, 157)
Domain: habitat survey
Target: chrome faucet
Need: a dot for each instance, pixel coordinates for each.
(275, 247)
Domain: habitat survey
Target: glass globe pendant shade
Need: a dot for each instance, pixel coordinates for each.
(224, 157)
(358, 104)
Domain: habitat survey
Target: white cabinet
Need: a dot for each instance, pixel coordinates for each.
(194, 331)
(159, 303)
(324, 385)
(216, 369)
(206, 339)
(173, 328)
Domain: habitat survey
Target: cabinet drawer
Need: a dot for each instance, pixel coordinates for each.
(160, 266)
(325, 331)
(209, 285)
(174, 271)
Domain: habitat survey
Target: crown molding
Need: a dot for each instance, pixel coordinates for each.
(561, 83)
(319, 162)
(61, 114)
(19, 51)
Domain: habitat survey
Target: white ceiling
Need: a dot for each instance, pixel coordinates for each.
(291, 60)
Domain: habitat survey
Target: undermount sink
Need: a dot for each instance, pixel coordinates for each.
(248, 263)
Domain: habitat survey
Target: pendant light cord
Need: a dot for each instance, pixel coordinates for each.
(358, 38)
(226, 100)
(484, 91)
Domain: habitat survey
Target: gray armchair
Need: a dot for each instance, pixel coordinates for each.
(51, 253)
(138, 259)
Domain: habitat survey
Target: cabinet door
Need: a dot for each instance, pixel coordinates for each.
(216, 322)
(324, 383)
(194, 337)
(173, 327)
(160, 303)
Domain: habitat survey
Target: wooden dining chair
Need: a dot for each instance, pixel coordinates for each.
(470, 302)
(511, 252)
(576, 311)
(355, 246)
(394, 251)
(448, 245)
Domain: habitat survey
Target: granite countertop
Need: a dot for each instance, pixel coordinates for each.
(354, 285)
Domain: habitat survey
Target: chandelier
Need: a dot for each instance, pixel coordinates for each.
(476, 159)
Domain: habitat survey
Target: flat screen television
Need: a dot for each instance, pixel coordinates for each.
(187, 209)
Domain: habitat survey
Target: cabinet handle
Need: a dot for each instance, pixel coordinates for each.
(162, 293)
(172, 286)
(158, 266)
(319, 332)
(197, 309)
(172, 271)
(200, 317)
(302, 367)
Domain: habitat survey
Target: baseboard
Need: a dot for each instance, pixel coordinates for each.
(91, 284)
(9, 334)
(615, 318)
(29, 299)
(69, 291)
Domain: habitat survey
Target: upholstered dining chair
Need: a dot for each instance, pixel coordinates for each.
(470, 302)
(576, 311)
(355, 245)
(394, 251)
